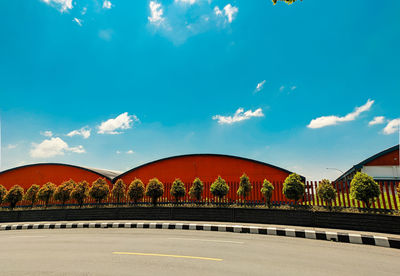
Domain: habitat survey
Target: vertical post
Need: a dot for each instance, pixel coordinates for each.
(388, 195)
(392, 184)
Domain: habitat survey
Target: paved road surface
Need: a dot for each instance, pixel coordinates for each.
(180, 252)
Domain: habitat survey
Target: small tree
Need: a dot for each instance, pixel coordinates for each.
(136, 190)
(3, 192)
(364, 188)
(197, 189)
(326, 191)
(178, 190)
(32, 194)
(119, 190)
(266, 190)
(154, 189)
(293, 187)
(80, 192)
(46, 193)
(219, 188)
(244, 187)
(14, 195)
(63, 192)
(99, 190)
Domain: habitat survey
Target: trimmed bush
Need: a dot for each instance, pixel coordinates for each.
(14, 195)
(63, 192)
(46, 192)
(364, 188)
(80, 192)
(326, 191)
(219, 188)
(119, 190)
(244, 187)
(154, 189)
(3, 192)
(293, 187)
(266, 190)
(32, 194)
(178, 190)
(196, 190)
(99, 190)
(136, 190)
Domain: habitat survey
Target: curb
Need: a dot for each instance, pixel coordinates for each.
(288, 232)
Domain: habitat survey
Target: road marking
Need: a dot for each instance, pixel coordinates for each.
(166, 255)
(206, 240)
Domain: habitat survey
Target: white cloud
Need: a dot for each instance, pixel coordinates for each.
(130, 152)
(334, 120)
(61, 5)
(84, 10)
(78, 21)
(53, 147)
(47, 133)
(190, 2)
(260, 86)
(377, 121)
(84, 132)
(156, 12)
(217, 11)
(293, 87)
(230, 12)
(282, 88)
(11, 146)
(118, 152)
(112, 126)
(107, 4)
(392, 126)
(239, 116)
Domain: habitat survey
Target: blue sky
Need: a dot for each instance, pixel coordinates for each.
(115, 84)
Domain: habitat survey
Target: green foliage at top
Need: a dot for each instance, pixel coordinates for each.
(46, 192)
(14, 195)
(63, 192)
(364, 188)
(99, 190)
(219, 188)
(293, 187)
(266, 190)
(136, 190)
(3, 192)
(32, 194)
(119, 190)
(154, 189)
(286, 1)
(326, 191)
(197, 189)
(80, 192)
(244, 186)
(178, 190)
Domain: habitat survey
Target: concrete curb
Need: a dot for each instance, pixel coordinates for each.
(288, 232)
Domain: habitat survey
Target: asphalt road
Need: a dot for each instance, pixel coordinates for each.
(180, 252)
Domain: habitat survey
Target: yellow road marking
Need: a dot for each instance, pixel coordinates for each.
(166, 255)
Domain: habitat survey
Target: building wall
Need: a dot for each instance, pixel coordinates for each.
(207, 168)
(389, 159)
(42, 173)
(382, 172)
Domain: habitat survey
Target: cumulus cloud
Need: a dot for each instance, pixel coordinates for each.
(239, 116)
(84, 132)
(107, 4)
(53, 147)
(130, 152)
(377, 121)
(392, 126)
(156, 13)
(190, 2)
(78, 21)
(121, 122)
(325, 121)
(260, 86)
(47, 133)
(11, 146)
(61, 5)
(229, 12)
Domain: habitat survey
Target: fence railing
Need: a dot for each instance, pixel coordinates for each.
(389, 199)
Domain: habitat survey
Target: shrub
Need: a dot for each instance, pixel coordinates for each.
(32, 194)
(46, 193)
(14, 195)
(219, 188)
(326, 191)
(154, 189)
(136, 190)
(197, 189)
(119, 190)
(244, 186)
(80, 192)
(99, 190)
(266, 190)
(3, 192)
(178, 190)
(364, 188)
(293, 187)
(63, 192)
